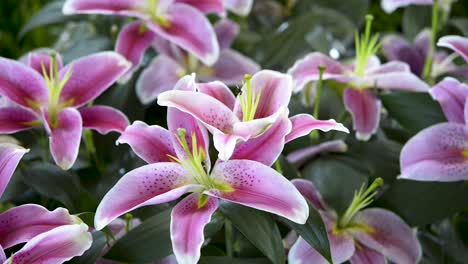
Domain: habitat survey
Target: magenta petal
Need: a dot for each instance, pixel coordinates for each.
(188, 220)
(22, 84)
(226, 31)
(225, 144)
(55, 246)
(65, 138)
(308, 190)
(391, 5)
(132, 42)
(301, 156)
(219, 91)
(239, 7)
(455, 43)
(365, 255)
(148, 185)
(302, 253)
(422, 41)
(177, 119)
(268, 146)
(22, 223)
(389, 235)
(90, 76)
(466, 111)
(103, 119)
(153, 80)
(307, 69)
(210, 6)
(364, 107)
(38, 58)
(106, 7)
(395, 48)
(211, 112)
(260, 187)
(151, 143)
(437, 153)
(397, 80)
(2, 255)
(10, 155)
(451, 94)
(15, 119)
(191, 30)
(231, 68)
(303, 124)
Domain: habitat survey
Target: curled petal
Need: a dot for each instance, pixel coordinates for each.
(55, 246)
(91, 76)
(191, 30)
(394, 76)
(451, 94)
(188, 219)
(211, 112)
(219, 91)
(148, 185)
(307, 69)
(365, 255)
(303, 124)
(105, 7)
(10, 155)
(239, 7)
(15, 119)
(37, 59)
(341, 246)
(103, 119)
(151, 143)
(65, 137)
(225, 144)
(301, 156)
(226, 31)
(268, 146)
(364, 107)
(132, 42)
(391, 5)
(22, 84)
(211, 6)
(388, 234)
(466, 111)
(422, 41)
(258, 186)
(395, 48)
(455, 43)
(22, 223)
(308, 190)
(153, 80)
(437, 153)
(231, 68)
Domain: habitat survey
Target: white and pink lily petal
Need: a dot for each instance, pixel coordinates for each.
(451, 95)
(455, 43)
(57, 245)
(10, 156)
(391, 5)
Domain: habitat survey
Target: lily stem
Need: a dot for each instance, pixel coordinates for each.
(228, 238)
(430, 55)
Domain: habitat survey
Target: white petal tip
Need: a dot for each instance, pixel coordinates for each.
(363, 136)
(67, 8)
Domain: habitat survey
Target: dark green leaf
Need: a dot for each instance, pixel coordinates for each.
(228, 260)
(415, 19)
(355, 10)
(461, 24)
(145, 243)
(313, 231)
(258, 227)
(414, 111)
(93, 253)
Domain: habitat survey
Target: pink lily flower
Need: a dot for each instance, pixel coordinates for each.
(360, 235)
(10, 155)
(391, 5)
(455, 43)
(366, 72)
(171, 20)
(440, 152)
(232, 121)
(395, 47)
(229, 68)
(301, 156)
(50, 236)
(238, 7)
(45, 93)
(179, 164)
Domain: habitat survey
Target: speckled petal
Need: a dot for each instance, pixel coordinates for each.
(260, 187)
(303, 124)
(219, 91)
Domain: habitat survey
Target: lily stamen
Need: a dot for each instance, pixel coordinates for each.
(366, 47)
(249, 101)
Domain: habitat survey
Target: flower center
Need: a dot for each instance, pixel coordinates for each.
(366, 47)
(55, 86)
(465, 153)
(152, 11)
(361, 199)
(249, 100)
